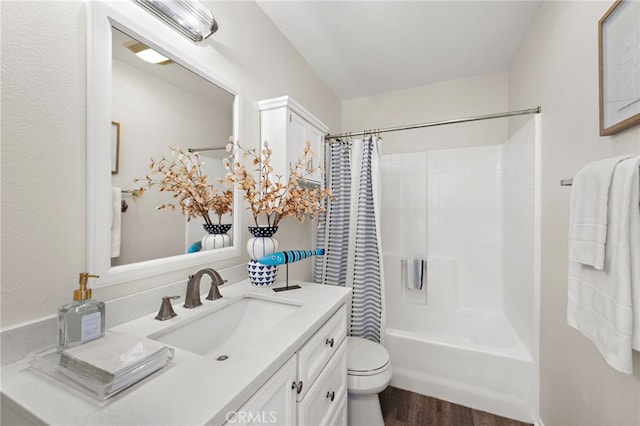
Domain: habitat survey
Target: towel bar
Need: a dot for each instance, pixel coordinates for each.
(566, 182)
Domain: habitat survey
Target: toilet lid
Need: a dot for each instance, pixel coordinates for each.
(364, 355)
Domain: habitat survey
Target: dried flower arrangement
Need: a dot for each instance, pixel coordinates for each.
(270, 197)
(182, 174)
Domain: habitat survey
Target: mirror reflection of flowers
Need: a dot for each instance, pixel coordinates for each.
(182, 175)
(272, 197)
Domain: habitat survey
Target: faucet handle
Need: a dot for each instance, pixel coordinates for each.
(214, 293)
(166, 310)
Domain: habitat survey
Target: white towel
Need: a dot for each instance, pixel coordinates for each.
(605, 304)
(116, 223)
(588, 212)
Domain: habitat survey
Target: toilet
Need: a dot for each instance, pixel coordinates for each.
(369, 373)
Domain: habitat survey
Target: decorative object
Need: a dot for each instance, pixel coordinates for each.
(270, 197)
(261, 275)
(188, 17)
(216, 237)
(287, 257)
(261, 244)
(619, 73)
(182, 174)
(115, 147)
(217, 229)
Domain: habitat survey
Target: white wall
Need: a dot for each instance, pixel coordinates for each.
(557, 68)
(467, 97)
(43, 140)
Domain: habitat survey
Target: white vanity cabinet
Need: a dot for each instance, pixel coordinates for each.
(273, 403)
(310, 388)
(287, 126)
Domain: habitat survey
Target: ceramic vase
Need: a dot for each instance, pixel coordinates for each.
(261, 244)
(216, 236)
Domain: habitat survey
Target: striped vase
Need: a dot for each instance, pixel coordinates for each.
(216, 237)
(261, 244)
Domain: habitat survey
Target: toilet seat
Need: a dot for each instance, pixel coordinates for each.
(365, 358)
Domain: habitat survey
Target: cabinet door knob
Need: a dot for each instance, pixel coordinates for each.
(329, 342)
(297, 386)
(331, 395)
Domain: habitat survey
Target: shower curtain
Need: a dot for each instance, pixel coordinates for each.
(351, 234)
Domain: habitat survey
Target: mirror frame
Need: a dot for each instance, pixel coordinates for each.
(138, 23)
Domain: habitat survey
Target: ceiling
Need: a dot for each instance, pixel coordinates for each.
(364, 48)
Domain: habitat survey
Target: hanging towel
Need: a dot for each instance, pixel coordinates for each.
(588, 212)
(605, 304)
(116, 223)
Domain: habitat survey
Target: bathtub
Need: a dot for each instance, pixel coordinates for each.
(472, 358)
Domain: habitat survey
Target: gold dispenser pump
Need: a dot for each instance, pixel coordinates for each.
(83, 292)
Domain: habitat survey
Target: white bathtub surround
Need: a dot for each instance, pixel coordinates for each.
(413, 223)
(483, 366)
(520, 253)
(195, 389)
(601, 302)
(471, 338)
(352, 234)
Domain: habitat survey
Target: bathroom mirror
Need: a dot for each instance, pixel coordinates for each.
(179, 103)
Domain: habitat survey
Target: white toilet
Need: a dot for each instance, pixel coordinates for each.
(369, 372)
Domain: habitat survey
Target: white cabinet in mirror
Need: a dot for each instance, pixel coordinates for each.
(179, 102)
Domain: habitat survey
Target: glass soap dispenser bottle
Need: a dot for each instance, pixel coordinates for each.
(81, 320)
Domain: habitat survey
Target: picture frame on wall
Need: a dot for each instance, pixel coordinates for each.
(619, 67)
(115, 147)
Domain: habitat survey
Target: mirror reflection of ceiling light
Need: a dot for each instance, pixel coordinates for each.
(189, 17)
(147, 54)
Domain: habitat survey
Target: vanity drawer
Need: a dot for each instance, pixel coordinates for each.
(319, 348)
(327, 394)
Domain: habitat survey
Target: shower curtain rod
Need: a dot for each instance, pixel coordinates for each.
(329, 137)
(215, 148)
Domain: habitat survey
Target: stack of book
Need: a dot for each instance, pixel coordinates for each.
(114, 362)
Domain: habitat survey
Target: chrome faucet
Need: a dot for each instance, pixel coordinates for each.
(192, 299)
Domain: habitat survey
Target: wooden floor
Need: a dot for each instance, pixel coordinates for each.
(400, 407)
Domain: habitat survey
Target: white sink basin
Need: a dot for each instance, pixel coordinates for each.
(226, 330)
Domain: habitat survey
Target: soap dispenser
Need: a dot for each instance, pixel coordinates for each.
(81, 320)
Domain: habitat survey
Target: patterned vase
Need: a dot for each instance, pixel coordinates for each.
(261, 244)
(216, 237)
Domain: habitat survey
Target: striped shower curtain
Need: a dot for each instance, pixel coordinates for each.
(351, 234)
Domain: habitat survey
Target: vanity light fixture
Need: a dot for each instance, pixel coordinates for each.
(147, 54)
(189, 17)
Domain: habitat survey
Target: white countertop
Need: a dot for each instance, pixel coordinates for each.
(194, 389)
